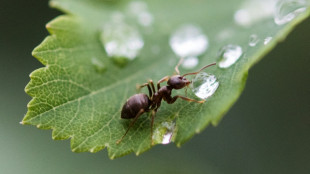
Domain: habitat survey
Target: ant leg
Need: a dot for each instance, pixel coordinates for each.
(172, 100)
(164, 79)
(177, 66)
(152, 85)
(131, 124)
(152, 123)
(148, 87)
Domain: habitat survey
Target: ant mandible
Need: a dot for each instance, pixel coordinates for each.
(140, 103)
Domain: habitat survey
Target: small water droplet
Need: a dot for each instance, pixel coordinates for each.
(98, 64)
(188, 40)
(253, 40)
(267, 40)
(228, 55)
(287, 10)
(121, 40)
(190, 62)
(164, 132)
(204, 85)
(140, 10)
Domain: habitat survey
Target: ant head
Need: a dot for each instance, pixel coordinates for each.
(178, 82)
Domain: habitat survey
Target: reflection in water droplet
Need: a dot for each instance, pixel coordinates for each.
(251, 12)
(121, 40)
(190, 62)
(164, 132)
(98, 64)
(140, 10)
(228, 55)
(188, 40)
(267, 40)
(287, 10)
(253, 40)
(204, 85)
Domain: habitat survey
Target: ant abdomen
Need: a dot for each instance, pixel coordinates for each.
(134, 105)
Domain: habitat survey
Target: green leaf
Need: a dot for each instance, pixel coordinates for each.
(80, 91)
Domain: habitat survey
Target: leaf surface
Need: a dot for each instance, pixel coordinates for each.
(76, 101)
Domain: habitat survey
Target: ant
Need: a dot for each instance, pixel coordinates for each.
(140, 103)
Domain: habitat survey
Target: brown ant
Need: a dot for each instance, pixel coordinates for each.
(140, 103)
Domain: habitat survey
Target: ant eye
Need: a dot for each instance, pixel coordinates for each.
(180, 78)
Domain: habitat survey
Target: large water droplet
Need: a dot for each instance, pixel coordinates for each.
(140, 10)
(164, 132)
(228, 55)
(204, 85)
(287, 10)
(121, 40)
(190, 62)
(99, 65)
(253, 40)
(188, 40)
(267, 40)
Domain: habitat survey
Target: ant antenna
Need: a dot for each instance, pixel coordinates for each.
(177, 67)
(200, 69)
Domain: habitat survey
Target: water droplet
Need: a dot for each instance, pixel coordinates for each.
(287, 10)
(251, 12)
(164, 132)
(121, 40)
(190, 62)
(228, 55)
(188, 40)
(253, 40)
(204, 85)
(267, 40)
(98, 64)
(139, 9)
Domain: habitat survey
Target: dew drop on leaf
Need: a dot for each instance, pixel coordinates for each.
(188, 40)
(251, 12)
(190, 62)
(287, 10)
(267, 40)
(228, 55)
(120, 40)
(139, 10)
(253, 40)
(164, 132)
(204, 85)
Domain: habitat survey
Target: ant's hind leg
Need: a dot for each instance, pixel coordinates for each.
(172, 100)
(131, 124)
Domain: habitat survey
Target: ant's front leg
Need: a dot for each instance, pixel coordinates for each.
(172, 100)
(148, 87)
(164, 79)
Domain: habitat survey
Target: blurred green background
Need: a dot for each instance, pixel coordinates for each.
(266, 131)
